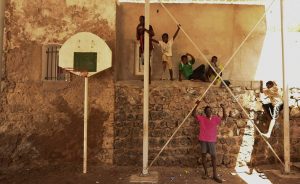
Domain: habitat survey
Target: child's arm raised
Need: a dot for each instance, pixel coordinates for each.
(224, 112)
(150, 31)
(193, 58)
(155, 41)
(176, 33)
(194, 111)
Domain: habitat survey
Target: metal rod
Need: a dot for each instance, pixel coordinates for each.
(86, 83)
(51, 62)
(286, 126)
(55, 62)
(146, 91)
(47, 67)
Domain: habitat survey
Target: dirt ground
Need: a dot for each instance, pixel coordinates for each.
(69, 174)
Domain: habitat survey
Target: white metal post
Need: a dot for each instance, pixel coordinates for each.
(286, 126)
(86, 83)
(146, 90)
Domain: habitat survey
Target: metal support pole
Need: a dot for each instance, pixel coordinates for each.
(86, 83)
(286, 126)
(2, 9)
(146, 90)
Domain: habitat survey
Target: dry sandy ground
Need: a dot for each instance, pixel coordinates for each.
(70, 174)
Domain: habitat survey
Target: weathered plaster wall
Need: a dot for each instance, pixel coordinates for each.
(2, 7)
(216, 29)
(42, 121)
(238, 143)
(245, 63)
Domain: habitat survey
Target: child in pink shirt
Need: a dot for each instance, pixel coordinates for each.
(208, 137)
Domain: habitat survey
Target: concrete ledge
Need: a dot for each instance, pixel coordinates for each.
(296, 165)
(138, 178)
(291, 175)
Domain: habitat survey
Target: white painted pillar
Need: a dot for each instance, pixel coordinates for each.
(286, 123)
(2, 9)
(86, 83)
(146, 90)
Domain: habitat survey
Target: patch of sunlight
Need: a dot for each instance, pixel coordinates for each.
(270, 63)
(244, 157)
(292, 18)
(254, 177)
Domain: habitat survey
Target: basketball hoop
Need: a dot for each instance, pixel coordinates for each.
(84, 74)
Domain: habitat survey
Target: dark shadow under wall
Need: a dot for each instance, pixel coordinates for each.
(60, 146)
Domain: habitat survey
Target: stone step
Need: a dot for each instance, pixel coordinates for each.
(296, 166)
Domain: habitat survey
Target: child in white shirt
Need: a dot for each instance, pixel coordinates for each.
(166, 49)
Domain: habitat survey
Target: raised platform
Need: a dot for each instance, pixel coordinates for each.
(254, 85)
(296, 164)
(294, 174)
(152, 177)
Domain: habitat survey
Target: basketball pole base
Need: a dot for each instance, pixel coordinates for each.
(151, 177)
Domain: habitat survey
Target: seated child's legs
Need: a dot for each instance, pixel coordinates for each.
(268, 108)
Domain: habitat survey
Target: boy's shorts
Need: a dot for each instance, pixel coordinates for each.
(168, 60)
(208, 147)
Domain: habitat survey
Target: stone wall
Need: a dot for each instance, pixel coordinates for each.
(238, 142)
(41, 122)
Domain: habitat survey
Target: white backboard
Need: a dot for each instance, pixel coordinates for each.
(85, 42)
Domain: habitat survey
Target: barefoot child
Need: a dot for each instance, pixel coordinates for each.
(140, 32)
(273, 106)
(208, 137)
(166, 48)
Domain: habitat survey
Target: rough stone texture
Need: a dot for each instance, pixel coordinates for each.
(238, 142)
(42, 121)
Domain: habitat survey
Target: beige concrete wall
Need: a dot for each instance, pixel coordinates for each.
(216, 29)
(245, 63)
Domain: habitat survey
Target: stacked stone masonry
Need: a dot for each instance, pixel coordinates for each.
(169, 103)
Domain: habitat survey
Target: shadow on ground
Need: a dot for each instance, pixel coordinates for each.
(69, 174)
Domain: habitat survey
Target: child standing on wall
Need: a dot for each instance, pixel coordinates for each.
(166, 48)
(140, 32)
(272, 104)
